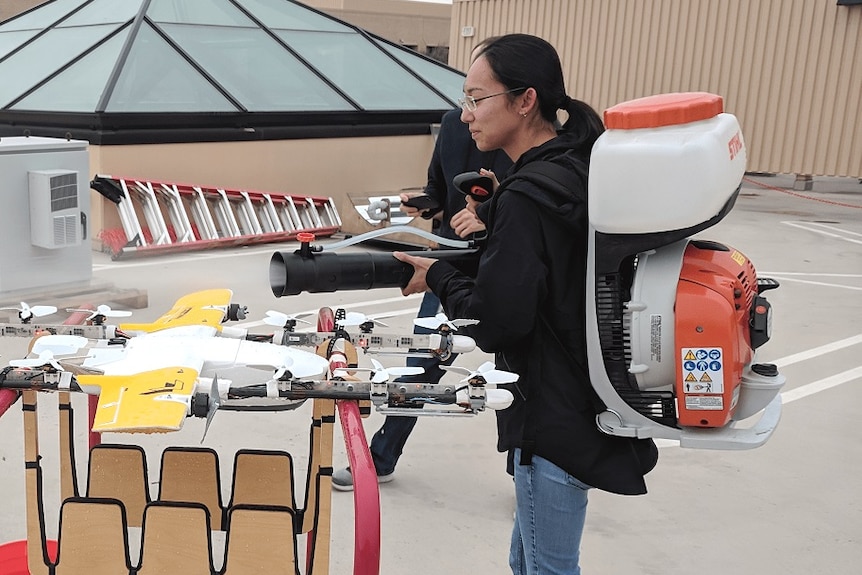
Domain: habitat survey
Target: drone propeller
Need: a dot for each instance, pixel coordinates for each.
(380, 374)
(438, 321)
(298, 366)
(487, 371)
(212, 406)
(46, 357)
(102, 310)
(27, 312)
(356, 318)
(279, 319)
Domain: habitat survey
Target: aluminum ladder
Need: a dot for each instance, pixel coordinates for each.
(162, 217)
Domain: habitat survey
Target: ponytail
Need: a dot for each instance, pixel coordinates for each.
(583, 121)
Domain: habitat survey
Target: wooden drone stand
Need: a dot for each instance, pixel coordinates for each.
(261, 519)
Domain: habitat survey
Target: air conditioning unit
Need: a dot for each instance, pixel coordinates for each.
(55, 216)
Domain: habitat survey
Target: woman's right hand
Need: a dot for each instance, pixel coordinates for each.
(466, 222)
(417, 283)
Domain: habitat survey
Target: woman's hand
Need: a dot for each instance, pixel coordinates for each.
(465, 222)
(417, 283)
(472, 204)
(492, 175)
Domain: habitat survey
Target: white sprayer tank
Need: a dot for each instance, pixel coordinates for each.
(665, 162)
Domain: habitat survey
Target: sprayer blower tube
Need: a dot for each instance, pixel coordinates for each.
(291, 273)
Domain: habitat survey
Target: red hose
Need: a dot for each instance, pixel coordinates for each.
(366, 493)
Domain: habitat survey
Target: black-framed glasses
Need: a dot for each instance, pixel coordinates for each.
(469, 103)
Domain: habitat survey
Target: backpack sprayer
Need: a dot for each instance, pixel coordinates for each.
(673, 322)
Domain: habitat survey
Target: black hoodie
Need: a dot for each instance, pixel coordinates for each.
(529, 295)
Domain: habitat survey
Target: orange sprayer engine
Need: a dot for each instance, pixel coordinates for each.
(674, 321)
(717, 304)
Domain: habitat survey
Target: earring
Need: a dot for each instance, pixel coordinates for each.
(524, 115)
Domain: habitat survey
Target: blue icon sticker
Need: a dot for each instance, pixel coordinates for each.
(702, 372)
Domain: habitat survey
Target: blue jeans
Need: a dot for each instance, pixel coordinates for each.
(551, 507)
(388, 443)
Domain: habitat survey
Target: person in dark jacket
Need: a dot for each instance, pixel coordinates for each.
(529, 295)
(454, 153)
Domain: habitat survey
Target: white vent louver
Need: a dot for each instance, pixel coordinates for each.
(54, 209)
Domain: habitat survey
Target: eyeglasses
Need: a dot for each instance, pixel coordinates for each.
(469, 103)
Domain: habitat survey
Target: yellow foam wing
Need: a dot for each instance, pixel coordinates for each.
(205, 307)
(147, 402)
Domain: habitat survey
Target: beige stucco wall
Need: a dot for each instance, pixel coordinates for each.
(323, 167)
(790, 70)
(419, 24)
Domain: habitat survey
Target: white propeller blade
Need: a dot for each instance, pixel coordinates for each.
(300, 367)
(279, 319)
(356, 318)
(380, 374)
(440, 320)
(45, 358)
(26, 312)
(486, 371)
(214, 404)
(103, 310)
(59, 344)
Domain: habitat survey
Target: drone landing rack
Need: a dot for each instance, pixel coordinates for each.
(261, 520)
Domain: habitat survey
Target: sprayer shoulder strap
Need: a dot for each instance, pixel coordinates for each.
(550, 175)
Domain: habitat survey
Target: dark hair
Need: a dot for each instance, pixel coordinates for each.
(522, 60)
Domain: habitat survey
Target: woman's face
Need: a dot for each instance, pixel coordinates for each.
(494, 121)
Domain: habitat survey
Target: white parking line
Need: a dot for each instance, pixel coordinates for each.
(809, 282)
(817, 351)
(822, 229)
(167, 259)
(821, 385)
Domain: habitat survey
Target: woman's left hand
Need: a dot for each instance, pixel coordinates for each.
(417, 283)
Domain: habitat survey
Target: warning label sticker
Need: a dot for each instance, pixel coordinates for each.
(655, 337)
(704, 402)
(703, 371)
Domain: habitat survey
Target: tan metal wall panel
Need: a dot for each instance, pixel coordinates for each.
(790, 70)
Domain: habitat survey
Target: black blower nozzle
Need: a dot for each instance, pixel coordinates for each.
(291, 273)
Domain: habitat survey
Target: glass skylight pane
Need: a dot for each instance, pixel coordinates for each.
(42, 17)
(104, 12)
(80, 86)
(212, 13)
(256, 69)
(11, 40)
(449, 82)
(44, 56)
(363, 72)
(156, 78)
(289, 16)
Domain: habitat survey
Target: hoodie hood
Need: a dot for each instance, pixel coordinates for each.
(560, 190)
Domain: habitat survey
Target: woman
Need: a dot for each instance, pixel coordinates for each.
(529, 295)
